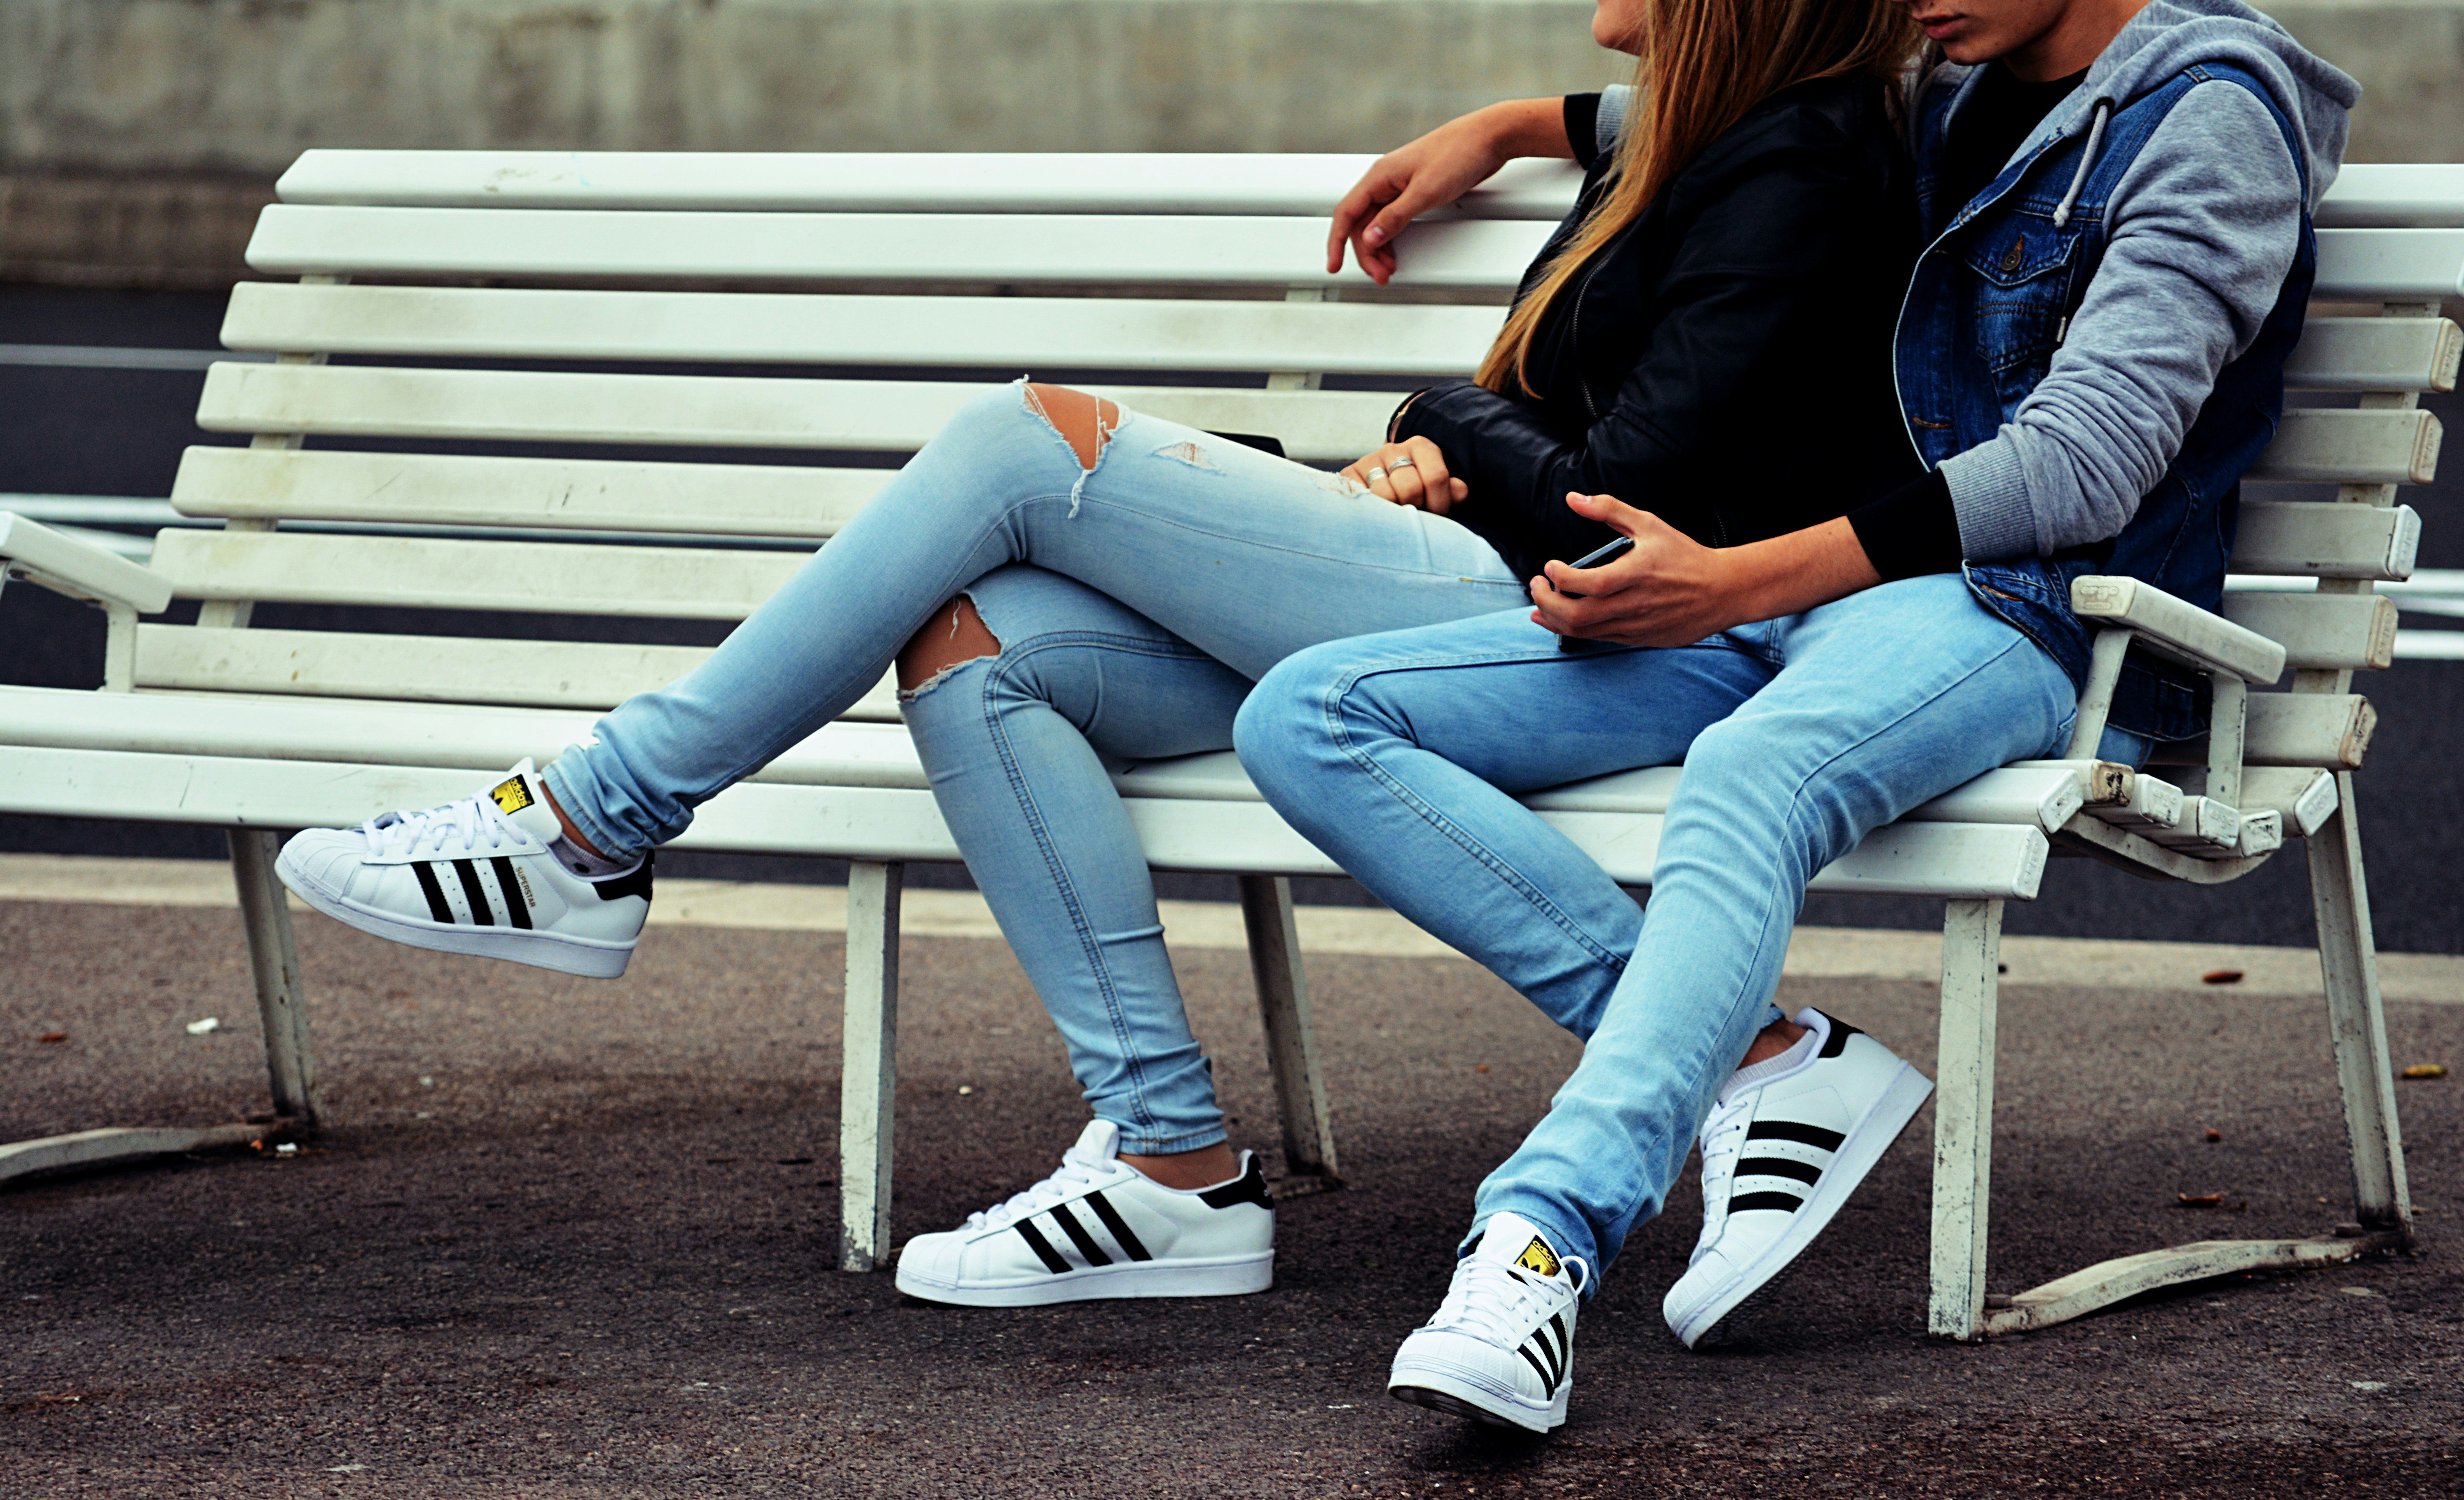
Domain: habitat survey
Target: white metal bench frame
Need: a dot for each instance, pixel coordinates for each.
(199, 724)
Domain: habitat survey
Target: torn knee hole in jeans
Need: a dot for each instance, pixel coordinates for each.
(953, 637)
(1085, 422)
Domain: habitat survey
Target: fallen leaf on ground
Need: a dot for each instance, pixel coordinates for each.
(53, 1036)
(2216, 1134)
(2416, 1071)
(2201, 1200)
(2221, 977)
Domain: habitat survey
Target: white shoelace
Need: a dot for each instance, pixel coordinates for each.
(1723, 1142)
(1498, 1302)
(463, 823)
(1077, 1171)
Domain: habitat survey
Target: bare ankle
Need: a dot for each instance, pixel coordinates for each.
(1774, 1039)
(571, 833)
(1189, 1170)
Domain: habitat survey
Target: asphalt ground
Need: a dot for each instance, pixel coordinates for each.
(564, 1238)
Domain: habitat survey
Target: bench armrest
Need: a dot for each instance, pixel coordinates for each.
(78, 569)
(2174, 627)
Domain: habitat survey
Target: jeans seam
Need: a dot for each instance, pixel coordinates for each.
(1514, 879)
(996, 674)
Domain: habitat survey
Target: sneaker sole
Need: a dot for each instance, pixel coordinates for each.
(1867, 1142)
(587, 958)
(1461, 1392)
(1229, 1277)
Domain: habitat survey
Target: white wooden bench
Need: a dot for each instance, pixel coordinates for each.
(449, 279)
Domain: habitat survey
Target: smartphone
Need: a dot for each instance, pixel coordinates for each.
(1605, 555)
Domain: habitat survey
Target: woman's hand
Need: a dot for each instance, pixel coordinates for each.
(1434, 171)
(1410, 473)
(1672, 590)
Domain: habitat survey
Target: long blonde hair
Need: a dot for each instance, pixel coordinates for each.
(1701, 65)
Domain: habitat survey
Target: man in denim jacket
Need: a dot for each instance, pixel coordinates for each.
(2116, 199)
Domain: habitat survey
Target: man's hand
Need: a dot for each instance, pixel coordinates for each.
(1672, 590)
(1410, 473)
(1434, 171)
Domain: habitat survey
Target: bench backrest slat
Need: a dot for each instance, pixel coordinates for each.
(2318, 540)
(788, 328)
(716, 411)
(550, 494)
(1467, 255)
(426, 668)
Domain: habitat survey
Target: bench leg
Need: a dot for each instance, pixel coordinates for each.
(274, 955)
(2348, 962)
(1963, 1117)
(1291, 1040)
(869, 1082)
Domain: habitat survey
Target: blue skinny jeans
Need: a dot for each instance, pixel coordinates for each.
(1397, 755)
(1158, 583)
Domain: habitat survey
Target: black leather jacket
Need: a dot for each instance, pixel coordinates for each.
(1726, 362)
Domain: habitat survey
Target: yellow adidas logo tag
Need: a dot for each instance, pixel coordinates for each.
(1537, 1257)
(510, 796)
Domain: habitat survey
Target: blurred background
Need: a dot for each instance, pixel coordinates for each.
(140, 138)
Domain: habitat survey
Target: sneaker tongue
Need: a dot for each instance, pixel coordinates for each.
(1100, 1140)
(523, 798)
(1512, 1240)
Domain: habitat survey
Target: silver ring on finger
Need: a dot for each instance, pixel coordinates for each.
(1401, 461)
(1374, 474)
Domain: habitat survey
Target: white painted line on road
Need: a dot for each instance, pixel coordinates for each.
(1816, 953)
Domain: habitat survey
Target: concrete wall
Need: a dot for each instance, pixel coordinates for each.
(134, 133)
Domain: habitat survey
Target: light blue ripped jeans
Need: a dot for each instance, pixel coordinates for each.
(1397, 756)
(1164, 580)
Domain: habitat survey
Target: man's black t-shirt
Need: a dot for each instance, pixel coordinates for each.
(1914, 530)
(1996, 120)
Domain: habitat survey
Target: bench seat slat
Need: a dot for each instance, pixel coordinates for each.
(2323, 540)
(1012, 333)
(2395, 354)
(719, 411)
(426, 668)
(543, 493)
(2328, 731)
(2333, 631)
(418, 573)
(1467, 256)
(1973, 861)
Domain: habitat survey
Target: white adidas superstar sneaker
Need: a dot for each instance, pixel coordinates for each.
(1500, 1349)
(1100, 1228)
(1781, 1154)
(475, 876)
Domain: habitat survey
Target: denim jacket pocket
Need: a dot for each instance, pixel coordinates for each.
(2025, 272)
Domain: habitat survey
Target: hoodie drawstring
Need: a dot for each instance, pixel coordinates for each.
(2087, 159)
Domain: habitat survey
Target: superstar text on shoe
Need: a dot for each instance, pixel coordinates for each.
(1098, 1227)
(1500, 1349)
(476, 876)
(1780, 1156)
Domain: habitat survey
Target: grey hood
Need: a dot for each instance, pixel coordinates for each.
(2171, 35)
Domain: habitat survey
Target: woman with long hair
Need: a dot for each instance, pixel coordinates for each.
(1062, 581)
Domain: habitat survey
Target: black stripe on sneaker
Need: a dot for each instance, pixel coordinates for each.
(480, 912)
(1778, 1166)
(1814, 1135)
(510, 886)
(1118, 1226)
(1548, 1381)
(1043, 1249)
(1840, 1031)
(1785, 1203)
(438, 907)
(1078, 1236)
